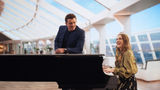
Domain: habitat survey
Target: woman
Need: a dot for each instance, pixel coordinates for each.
(125, 63)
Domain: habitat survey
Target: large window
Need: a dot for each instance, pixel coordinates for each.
(135, 47)
(133, 39)
(108, 51)
(147, 51)
(155, 36)
(113, 41)
(114, 49)
(138, 57)
(156, 47)
(142, 38)
(136, 53)
(95, 47)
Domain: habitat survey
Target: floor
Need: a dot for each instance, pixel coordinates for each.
(142, 85)
(28, 86)
(153, 85)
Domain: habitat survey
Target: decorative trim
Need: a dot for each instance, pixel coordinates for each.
(34, 16)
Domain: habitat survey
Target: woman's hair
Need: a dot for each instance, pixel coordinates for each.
(69, 16)
(126, 45)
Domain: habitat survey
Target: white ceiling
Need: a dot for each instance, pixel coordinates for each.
(30, 20)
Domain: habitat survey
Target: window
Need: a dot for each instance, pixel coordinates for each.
(147, 51)
(108, 51)
(142, 38)
(113, 41)
(133, 39)
(155, 36)
(156, 47)
(135, 47)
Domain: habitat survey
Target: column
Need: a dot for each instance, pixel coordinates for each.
(16, 48)
(37, 47)
(21, 47)
(87, 42)
(13, 47)
(52, 46)
(44, 46)
(124, 21)
(102, 40)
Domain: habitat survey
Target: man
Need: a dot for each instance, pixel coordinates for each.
(70, 38)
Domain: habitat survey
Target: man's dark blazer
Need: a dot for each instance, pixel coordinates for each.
(75, 41)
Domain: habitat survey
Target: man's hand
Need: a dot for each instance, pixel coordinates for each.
(60, 50)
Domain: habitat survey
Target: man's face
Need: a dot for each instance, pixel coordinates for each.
(71, 24)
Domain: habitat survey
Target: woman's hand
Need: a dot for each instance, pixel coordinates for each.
(107, 69)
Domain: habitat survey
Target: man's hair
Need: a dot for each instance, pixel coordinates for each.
(69, 16)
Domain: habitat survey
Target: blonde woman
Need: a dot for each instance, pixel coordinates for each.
(125, 64)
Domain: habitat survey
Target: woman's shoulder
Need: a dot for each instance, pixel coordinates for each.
(128, 52)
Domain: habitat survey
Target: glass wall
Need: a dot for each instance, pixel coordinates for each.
(145, 46)
(156, 47)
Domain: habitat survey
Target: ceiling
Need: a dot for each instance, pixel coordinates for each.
(31, 20)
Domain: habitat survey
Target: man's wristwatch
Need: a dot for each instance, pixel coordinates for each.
(65, 50)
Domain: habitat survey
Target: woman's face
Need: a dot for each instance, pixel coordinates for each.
(119, 42)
